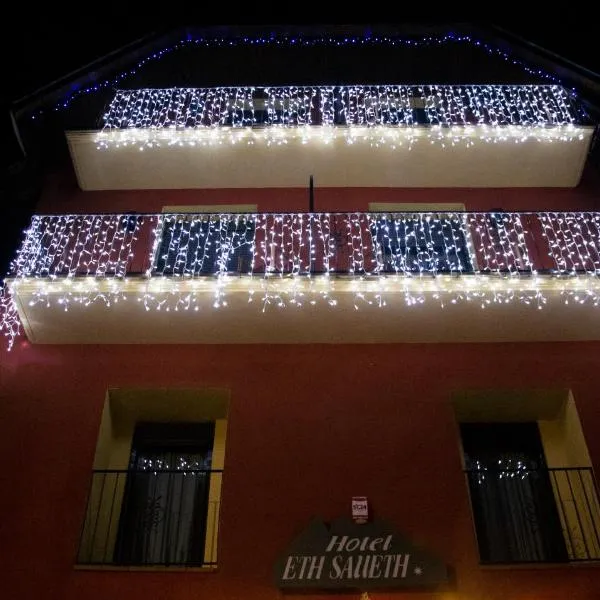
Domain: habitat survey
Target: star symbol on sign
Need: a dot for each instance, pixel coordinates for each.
(418, 571)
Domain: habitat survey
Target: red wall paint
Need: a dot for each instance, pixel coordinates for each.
(63, 196)
(310, 426)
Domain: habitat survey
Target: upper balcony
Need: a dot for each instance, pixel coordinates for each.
(345, 136)
(306, 277)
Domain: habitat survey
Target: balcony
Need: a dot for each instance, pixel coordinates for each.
(306, 278)
(535, 515)
(345, 136)
(151, 518)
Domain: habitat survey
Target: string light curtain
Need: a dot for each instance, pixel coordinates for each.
(523, 106)
(378, 115)
(91, 257)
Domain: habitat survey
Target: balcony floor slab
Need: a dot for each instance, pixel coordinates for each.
(336, 157)
(254, 310)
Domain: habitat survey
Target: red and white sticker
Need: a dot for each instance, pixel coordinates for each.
(360, 509)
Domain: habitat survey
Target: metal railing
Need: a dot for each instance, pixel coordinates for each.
(350, 105)
(535, 515)
(304, 244)
(152, 518)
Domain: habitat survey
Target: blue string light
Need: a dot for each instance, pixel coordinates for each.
(299, 41)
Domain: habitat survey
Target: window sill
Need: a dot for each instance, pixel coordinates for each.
(149, 568)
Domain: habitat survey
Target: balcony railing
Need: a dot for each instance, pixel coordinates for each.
(535, 515)
(151, 518)
(379, 114)
(164, 260)
(352, 105)
(307, 244)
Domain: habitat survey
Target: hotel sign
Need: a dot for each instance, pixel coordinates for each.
(346, 555)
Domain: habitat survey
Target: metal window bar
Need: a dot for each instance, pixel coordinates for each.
(574, 493)
(172, 525)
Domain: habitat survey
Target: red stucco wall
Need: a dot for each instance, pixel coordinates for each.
(62, 195)
(309, 427)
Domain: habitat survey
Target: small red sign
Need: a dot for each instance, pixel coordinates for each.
(360, 509)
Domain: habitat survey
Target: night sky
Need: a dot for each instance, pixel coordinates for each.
(39, 52)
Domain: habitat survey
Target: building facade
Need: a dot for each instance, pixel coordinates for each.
(267, 339)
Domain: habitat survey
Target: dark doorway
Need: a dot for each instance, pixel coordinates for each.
(163, 515)
(511, 495)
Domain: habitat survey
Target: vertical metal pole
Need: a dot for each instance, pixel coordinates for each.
(311, 195)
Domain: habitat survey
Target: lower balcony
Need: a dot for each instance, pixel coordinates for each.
(306, 278)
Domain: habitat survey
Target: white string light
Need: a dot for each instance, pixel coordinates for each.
(10, 324)
(381, 115)
(293, 259)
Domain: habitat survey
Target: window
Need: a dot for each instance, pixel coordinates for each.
(531, 486)
(166, 502)
(421, 238)
(422, 243)
(277, 108)
(205, 245)
(515, 515)
(206, 240)
(155, 493)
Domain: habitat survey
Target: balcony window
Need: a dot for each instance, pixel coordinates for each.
(530, 481)
(155, 492)
(515, 515)
(205, 245)
(166, 499)
(422, 243)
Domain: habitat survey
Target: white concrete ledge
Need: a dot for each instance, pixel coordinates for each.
(475, 156)
(309, 310)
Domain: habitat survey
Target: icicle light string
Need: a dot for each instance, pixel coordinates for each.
(526, 105)
(364, 40)
(10, 324)
(305, 243)
(302, 258)
(388, 113)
